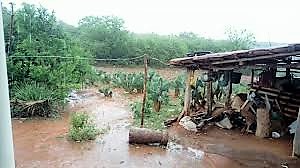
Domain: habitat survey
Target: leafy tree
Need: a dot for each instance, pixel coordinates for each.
(105, 36)
(36, 36)
(240, 39)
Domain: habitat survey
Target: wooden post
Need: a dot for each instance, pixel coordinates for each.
(252, 76)
(187, 94)
(144, 91)
(209, 93)
(263, 120)
(296, 143)
(288, 70)
(229, 92)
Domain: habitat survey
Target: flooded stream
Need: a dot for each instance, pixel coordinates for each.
(43, 143)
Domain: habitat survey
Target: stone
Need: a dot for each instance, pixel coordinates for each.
(187, 123)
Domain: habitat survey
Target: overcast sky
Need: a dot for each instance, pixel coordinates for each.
(269, 20)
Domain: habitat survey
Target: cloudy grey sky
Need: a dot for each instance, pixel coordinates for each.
(269, 20)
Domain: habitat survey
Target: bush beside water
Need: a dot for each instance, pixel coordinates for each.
(82, 127)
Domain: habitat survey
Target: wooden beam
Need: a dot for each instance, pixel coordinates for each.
(187, 94)
(257, 58)
(296, 142)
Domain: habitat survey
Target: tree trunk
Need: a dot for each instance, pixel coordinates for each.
(187, 95)
(209, 96)
(147, 136)
(157, 105)
(263, 123)
(177, 92)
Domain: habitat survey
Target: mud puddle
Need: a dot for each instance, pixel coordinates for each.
(43, 143)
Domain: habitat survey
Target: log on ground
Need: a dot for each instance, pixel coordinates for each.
(147, 136)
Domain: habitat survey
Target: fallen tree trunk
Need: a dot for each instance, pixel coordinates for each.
(147, 136)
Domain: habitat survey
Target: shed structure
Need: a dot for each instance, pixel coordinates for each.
(282, 90)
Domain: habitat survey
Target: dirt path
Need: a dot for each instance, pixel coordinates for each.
(43, 143)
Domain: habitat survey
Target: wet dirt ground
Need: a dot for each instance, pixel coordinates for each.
(44, 143)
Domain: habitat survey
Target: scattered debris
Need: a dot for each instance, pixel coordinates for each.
(73, 98)
(39, 108)
(238, 101)
(275, 135)
(188, 124)
(225, 123)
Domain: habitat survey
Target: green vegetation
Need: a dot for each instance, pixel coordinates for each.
(48, 58)
(240, 88)
(178, 85)
(158, 92)
(82, 128)
(31, 99)
(33, 75)
(155, 120)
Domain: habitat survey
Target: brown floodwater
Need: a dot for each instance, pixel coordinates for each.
(43, 143)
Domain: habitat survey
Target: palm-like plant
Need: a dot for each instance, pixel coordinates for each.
(178, 84)
(158, 90)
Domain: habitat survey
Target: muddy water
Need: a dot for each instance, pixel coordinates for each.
(43, 143)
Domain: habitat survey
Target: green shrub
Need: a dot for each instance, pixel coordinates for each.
(82, 127)
(32, 92)
(32, 100)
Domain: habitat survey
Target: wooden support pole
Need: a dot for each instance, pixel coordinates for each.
(288, 70)
(145, 90)
(187, 94)
(263, 121)
(209, 93)
(252, 76)
(229, 91)
(296, 142)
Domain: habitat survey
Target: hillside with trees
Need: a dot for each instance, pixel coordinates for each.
(46, 58)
